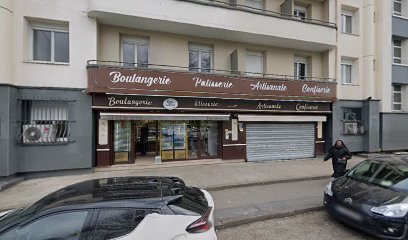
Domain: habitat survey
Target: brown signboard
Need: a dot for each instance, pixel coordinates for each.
(133, 102)
(103, 79)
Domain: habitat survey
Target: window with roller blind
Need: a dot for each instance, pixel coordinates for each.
(254, 63)
(255, 4)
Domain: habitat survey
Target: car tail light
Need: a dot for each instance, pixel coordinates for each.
(202, 224)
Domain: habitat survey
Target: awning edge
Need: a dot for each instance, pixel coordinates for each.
(163, 116)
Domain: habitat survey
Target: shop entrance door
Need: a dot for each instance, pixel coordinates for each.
(209, 138)
(145, 141)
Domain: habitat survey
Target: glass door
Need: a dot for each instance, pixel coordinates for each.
(173, 140)
(145, 137)
(192, 139)
(208, 139)
(166, 141)
(122, 141)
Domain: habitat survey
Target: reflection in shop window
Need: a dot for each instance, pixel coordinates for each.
(122, 141)
(188, 140)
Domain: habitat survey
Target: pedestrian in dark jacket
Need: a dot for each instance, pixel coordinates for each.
(339, 154)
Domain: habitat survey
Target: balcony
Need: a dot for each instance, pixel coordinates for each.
(218, 20)
(400, 73)
(164, 80)
(400, 26)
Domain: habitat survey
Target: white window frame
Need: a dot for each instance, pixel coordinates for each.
(257, 54)
(135, 41)
(200, 48)
(298, 61)
(345, 63)
(52, 29)
(393, 9)
(393, 52)
(299, 9)
(393, 98)
(344, 16)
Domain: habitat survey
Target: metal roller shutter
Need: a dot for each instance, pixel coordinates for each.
(280, 141)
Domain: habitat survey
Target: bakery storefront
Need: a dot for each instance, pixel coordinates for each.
(145, 115)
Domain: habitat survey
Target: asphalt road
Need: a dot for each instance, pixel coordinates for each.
(240, 204)
(316, 225)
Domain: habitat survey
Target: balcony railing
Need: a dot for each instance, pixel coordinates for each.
(222, 72)
(260, 11)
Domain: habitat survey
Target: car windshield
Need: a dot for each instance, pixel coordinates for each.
(387, 175)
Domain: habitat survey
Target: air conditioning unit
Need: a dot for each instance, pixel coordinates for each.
(39, 133)
(350, 128)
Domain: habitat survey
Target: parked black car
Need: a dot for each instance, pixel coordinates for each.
(125, 207)
(372, 197)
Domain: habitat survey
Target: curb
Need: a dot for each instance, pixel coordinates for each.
(239, 222)
(8, 183)
(251, 184)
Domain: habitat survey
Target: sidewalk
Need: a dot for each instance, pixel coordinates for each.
(216, 176)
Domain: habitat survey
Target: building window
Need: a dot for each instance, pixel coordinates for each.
(352, 121)
(300, 12)
(398, 7)
(397, 58)
(300, 68)
(346, 72)
(200, 58)
(397, 98)
(347, 22)
(135, 51)
(50, 44)
(255, 4)
(44, 122)
(254, 63)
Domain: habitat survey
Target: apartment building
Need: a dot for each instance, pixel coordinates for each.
(394, 116)
(210, 88)
(360, 73)
(91, 83)
(45, 114)
(370, 112)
